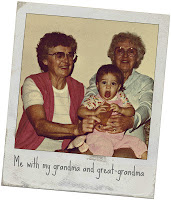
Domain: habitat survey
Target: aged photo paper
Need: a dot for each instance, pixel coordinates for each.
(93, 30)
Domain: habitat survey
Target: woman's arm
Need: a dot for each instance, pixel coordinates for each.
(83, 112)
(143, 112)
(43, 127)
(37, 117)
(129, 112)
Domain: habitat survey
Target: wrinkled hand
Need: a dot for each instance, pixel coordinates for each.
(119, 123)
(86, 125)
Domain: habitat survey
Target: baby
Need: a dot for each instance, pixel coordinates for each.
(111, 100)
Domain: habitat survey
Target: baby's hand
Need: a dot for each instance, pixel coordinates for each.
(115, 107)
(100, 109)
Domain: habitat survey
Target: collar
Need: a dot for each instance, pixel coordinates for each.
(131, 78)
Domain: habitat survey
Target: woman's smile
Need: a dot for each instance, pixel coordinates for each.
(125, 62)
(59, 67)
(64, 67)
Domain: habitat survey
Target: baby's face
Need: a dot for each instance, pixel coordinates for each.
(108, 86)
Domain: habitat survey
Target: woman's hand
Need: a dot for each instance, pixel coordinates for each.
(86, 125)
(119, 123)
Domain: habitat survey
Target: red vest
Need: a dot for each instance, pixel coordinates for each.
(26, 136)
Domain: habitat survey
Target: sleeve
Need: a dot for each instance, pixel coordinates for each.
(143, 112)
(125, 101)
(91, 103)
(92, 89)
(31, 94)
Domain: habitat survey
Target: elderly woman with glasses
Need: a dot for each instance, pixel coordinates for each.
(51, 98)
(126, 52)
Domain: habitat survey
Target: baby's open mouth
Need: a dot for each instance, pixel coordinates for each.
(107, 94)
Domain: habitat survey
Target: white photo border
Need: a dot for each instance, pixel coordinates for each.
(72, 180)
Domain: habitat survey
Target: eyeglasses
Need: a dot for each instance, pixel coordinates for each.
(131, 52)
(62, 55)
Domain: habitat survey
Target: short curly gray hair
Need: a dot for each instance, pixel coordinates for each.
(50, 40)
(134, 39)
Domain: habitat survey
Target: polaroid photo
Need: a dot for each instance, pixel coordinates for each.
(106, 143)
